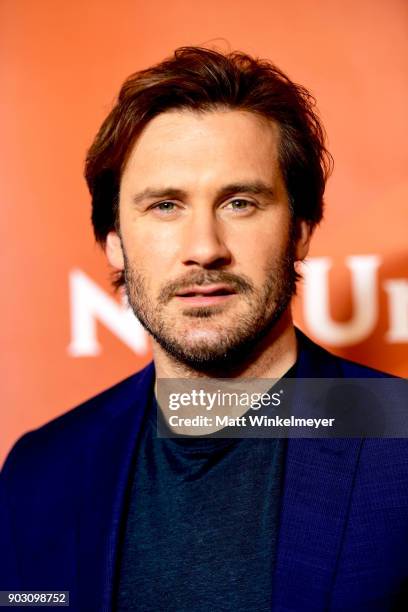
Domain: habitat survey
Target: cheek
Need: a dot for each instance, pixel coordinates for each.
(143, 238)
(150, 254)
(254, 254)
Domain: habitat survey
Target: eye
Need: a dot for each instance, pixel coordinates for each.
(240, 205)
(165, 208)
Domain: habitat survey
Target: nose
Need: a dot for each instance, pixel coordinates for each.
(204, 243)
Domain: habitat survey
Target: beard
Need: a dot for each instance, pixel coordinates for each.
(229, 344)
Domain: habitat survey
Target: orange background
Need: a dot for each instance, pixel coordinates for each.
(61, 65)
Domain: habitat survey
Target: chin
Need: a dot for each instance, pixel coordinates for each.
(197, 336)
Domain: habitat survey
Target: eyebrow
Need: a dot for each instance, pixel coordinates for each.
(252, 187)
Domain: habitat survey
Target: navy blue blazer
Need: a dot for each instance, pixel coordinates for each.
(343, 537)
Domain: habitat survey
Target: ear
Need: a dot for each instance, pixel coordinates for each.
(303, 237)
(113, 251)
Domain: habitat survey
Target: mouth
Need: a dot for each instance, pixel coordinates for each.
(208, 295)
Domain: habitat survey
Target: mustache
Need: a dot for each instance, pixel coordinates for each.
(239, 284)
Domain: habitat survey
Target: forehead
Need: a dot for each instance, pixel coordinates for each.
(188, 146)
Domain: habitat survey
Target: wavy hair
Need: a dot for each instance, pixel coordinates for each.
(202, 79)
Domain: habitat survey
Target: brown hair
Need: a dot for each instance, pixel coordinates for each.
(202, 79)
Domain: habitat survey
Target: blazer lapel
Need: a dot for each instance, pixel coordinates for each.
(318, 483)
(317, 490)
(107, 468)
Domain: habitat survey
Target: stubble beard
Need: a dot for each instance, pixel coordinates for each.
(228, 344)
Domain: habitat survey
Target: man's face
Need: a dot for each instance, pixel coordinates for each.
(206, 238)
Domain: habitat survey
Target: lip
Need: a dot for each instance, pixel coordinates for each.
(208, 295)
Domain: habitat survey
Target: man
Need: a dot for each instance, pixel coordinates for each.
(207, 181)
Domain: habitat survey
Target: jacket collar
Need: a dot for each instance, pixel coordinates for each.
(108, 465)
(317, 487)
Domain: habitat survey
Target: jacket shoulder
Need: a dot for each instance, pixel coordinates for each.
(352, 369)
(81, 425)
(326, 363)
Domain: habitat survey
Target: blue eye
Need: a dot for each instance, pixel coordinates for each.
(165, 207)
(238, 204)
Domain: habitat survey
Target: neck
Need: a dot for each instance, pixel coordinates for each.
(271, 358)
